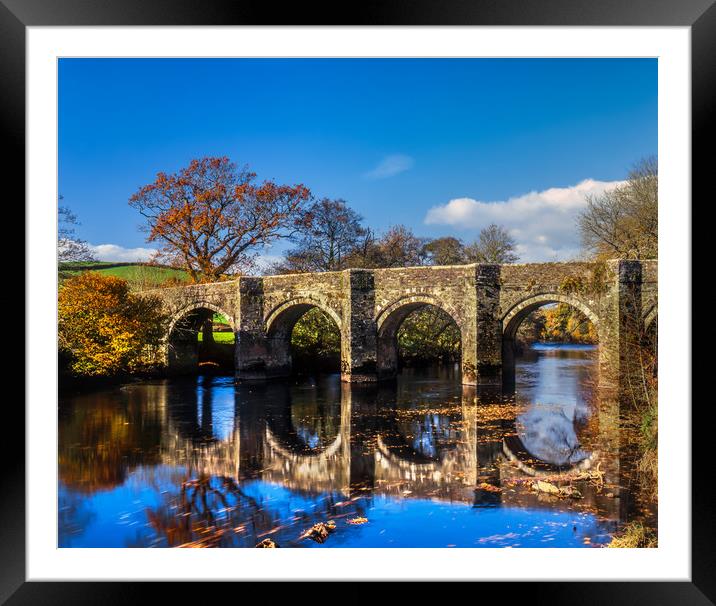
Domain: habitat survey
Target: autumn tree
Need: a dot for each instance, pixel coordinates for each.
(445, 251)
(104, 329)
(565, 324)
(366, 253)
(400, 247)
(69, 246)
(493, 245)
(331, 234)
(623, 222)
(211, 217)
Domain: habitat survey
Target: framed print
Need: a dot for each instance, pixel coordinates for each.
(383, 296)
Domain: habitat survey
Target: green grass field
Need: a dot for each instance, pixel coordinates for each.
(138, 275)
(221, 337)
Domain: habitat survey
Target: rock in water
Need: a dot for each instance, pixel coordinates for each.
(541, 486)
(563, 492)
(319, 532)
(267, 544)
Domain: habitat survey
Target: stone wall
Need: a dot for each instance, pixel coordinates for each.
(487, 303)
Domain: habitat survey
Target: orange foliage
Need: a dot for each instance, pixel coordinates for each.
(566, 324)
(210, 216)
(104, 328)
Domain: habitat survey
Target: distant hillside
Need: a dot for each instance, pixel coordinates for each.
(139, 275)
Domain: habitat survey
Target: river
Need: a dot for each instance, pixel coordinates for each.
(419, 462)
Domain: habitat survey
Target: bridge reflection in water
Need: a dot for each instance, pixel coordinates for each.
(275, 457)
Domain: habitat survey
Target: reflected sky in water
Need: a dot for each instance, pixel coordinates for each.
(202, 462)
(555, 383)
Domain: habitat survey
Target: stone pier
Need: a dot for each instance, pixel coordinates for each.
(486, 302)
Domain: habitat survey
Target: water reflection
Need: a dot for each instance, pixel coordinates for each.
(202, 462)
(556, 387)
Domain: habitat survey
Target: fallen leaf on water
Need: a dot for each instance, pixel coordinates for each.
(488, 487)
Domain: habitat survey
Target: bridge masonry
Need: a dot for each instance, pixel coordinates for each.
(487, 303)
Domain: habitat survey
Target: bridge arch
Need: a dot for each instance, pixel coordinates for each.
(391, 317)
(515, 315)
(181, 313)
(181, 339)
(279, 325)
(285, 315)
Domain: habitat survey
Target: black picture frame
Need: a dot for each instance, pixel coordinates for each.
(699, 15)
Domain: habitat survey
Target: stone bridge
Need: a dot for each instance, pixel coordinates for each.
(487, 302)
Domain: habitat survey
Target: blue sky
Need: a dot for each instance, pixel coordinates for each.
(444, 146)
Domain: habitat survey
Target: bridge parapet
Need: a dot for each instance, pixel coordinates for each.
(180, 299)
(487, 303)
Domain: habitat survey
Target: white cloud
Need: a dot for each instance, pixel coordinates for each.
(390, 166)
(120, 254)
(263, 263)
(544, 223)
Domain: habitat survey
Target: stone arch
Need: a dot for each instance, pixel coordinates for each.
(518, 312)
(512, 319)
(279, 324)
(293, 309)
(179, 314)
(181, 344)
(391, 317)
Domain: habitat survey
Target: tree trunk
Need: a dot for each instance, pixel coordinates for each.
(207, 329)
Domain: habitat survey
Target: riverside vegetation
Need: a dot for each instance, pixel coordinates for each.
(105, 329)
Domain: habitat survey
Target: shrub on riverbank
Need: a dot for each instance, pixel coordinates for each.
(648, 464)
(104, 329)
(634, 535)
(646, 418)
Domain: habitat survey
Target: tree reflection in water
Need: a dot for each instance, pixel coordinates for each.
(205, 463)
(207, 512)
